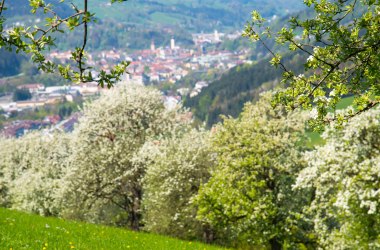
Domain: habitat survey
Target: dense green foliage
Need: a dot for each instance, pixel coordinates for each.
(342, 41)
(25, 231)
(249, 198)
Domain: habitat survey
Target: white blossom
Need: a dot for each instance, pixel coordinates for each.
(345, 175)
(314, 113)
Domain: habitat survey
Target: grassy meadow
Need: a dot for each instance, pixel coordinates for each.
(25, 231)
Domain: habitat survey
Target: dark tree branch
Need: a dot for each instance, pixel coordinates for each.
(81, 53)
(2, 6)
(369, 106)
(309, 53)
(274, 55)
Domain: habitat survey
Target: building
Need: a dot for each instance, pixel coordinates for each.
(29, 104)
(33, 88)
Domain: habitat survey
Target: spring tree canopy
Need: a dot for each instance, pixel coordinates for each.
(31, 172)
(345, 174)
(178, 166)
(106, 171)
(342, 40)
(249, 196)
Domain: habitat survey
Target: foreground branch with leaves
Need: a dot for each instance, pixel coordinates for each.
(342, 40)
(37, 40)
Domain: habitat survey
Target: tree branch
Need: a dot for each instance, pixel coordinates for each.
(2, 6)
(369, 106)
(81, 53)
(273, 54)
(309, 53)
(56, 25)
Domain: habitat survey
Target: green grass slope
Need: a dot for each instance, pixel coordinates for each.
(24, 231)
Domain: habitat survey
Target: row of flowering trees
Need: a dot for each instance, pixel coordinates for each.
(251, 182)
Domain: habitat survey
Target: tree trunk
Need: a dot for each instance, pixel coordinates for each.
(208, 234)
(135, 221)
(275, 245)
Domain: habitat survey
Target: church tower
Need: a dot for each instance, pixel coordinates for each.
(172, 44)
(152, 46)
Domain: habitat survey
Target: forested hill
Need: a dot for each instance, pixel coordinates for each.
(134, 23)
(10, 63)
(241, 84)
(194, 15)
(19, 10)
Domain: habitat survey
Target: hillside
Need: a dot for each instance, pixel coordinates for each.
(199, 15)
(205, 15)
(241, 84)
(133, 24)
(24, 231)
(10, 63)
(19, 10)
